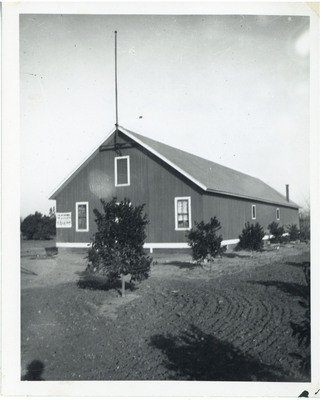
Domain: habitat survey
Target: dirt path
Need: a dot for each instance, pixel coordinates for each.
(232, 323)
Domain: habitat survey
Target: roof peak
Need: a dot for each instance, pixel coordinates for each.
(206, 174)
(208, 184)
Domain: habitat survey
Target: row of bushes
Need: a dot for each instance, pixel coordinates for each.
(117, 247)
(206, 243)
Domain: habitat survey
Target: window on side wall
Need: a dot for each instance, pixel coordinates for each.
(277, 214)
(183, 213)
(122, 171)
(253, 211)
(82, 216)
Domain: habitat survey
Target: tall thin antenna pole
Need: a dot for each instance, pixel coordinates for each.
(115, 75)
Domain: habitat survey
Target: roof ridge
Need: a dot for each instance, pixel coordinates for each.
(190, 154)
(210, 176)
(216, 165)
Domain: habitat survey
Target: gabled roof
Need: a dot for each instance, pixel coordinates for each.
(208, 175)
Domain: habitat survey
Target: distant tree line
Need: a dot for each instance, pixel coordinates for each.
(38, 226)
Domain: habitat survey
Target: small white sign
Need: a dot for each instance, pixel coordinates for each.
(63, 220)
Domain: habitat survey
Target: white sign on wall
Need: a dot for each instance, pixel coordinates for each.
(63, 220)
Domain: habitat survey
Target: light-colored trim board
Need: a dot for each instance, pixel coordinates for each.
(65, 181)
(241, 196)
(126, 132)
(73, 245)
(75, 171)
(176, 245)
(229, 241)
(198, 183)
(173, 165)
(183, 245)
(116, 184)
(79, 203)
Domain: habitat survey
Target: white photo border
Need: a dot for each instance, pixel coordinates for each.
(11, 383)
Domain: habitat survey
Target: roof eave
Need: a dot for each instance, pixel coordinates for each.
(156, 153)
(64, 183)
(290, 205)
(61, 186)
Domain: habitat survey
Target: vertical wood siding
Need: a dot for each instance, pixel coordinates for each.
(156, 184)
(152, 182)
(233, 213)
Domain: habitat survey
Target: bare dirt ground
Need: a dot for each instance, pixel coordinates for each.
(230, 323)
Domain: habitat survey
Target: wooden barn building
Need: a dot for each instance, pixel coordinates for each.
(177, 187)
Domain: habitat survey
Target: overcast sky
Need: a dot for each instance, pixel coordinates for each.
(232, 89)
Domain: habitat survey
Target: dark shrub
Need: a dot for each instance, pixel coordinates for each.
(117, 248)
(204, 240)
(293, 232)
(251, 237)
(305, 226)
(277, 232)
(38, 226)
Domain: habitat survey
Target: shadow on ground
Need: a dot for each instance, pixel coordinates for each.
(34, 371)
(183, 264)
(235, 255)
(195, 355)
(95, 282)
(305, 264)
(293, 289)
(301, 329)
(192, 265)
(27, 271)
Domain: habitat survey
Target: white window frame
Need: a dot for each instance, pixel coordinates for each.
(253, 207)
(79, 203)
(189, 214)
(278, 213)
(116, 171)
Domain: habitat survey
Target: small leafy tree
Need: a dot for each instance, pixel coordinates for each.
(293, 232)
(117, 248)
(277, 232)
(204, 240)
(251, 237)
(38, 226)
(305, 224)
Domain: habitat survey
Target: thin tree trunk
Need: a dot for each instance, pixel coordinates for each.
(123, 285)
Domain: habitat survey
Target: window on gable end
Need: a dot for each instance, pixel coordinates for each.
(253, 211)
(277, 214)
(122, 171)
